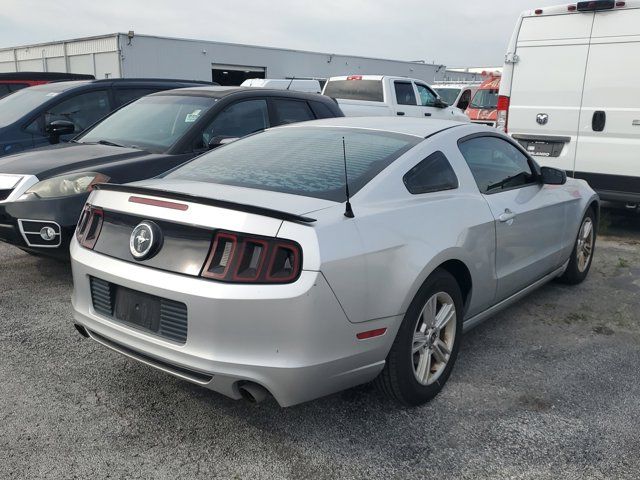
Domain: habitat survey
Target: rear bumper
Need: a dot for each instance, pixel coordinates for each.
(294, 340)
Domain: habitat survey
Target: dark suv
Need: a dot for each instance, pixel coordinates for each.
(54, 112)
(42, 191)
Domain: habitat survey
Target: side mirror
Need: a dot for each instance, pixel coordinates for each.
(219, 140)
(58, 128)
(553, 176)
(439, 103)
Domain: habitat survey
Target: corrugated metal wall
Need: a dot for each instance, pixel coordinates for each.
(96, 56)
(148, 56)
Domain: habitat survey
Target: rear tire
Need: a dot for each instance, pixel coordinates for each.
(582, 253)
(426, 346)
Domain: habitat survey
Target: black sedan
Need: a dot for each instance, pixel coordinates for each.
(42, 191)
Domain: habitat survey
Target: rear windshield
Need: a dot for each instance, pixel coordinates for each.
(300, 160)
(485, 99)
(449, 95)
(370, 90)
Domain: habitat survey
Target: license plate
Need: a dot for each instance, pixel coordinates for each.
(543, 149)
(137, 308)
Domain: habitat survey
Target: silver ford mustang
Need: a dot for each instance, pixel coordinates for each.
(315, 257)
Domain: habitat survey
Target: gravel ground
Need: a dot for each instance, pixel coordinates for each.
(547, 389)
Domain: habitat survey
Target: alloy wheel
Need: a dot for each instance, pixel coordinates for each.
(433, 338)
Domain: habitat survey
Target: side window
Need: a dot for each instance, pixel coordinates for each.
(237, 120)
(432, 174)
(496, 164)
(83, 110)
(427, 97)
(321, 110)
(126, 95)
(291, 111)
(465, 99)
(404, 93)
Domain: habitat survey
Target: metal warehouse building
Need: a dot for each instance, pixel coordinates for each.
(129, 55)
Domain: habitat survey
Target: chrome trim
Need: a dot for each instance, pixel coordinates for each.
(24, 233)
(25, 182)
(482, 316)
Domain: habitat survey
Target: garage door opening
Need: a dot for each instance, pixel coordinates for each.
(233, 75)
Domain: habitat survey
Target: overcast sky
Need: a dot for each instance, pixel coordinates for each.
(451, 32)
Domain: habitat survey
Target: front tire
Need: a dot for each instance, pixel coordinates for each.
(426, 346)
(582, 253)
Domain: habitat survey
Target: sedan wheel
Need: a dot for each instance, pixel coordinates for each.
(582, 254)
(426, 345)
(584, 246)
(433, 338)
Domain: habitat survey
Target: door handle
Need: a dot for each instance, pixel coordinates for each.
(598, 121)
(507, 216)
(427, 114)
(401, 113)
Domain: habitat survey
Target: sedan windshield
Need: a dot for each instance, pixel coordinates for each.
(485, 99)
(14, 106)
(151, 123)
(449, 95)
(305, 161)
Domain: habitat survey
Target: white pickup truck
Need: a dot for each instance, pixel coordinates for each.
(379, 95)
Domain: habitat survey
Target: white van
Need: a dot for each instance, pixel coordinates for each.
(570, 92)
(295, 84)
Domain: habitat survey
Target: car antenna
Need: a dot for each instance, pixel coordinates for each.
(292, 79)
(348, 212)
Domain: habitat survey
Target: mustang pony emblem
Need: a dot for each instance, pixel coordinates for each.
(145, 240)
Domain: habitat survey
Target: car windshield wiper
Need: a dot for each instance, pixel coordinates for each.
(502, 183)
(111, 144)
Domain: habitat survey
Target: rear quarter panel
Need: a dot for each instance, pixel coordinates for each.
(397, 239)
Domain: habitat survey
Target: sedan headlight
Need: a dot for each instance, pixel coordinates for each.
(66, 185)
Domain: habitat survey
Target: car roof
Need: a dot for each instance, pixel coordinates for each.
(417, 127)
(128, 82)
(219, 92)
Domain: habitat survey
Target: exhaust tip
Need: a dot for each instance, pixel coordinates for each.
(81, 330)
(252, 392)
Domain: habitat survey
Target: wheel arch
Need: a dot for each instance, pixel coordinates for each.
(453, 265)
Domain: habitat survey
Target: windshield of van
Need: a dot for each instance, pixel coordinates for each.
(14, 106)
(449, 95)
(151, 123)
(370, 90)
(485, 99)
(300, 160)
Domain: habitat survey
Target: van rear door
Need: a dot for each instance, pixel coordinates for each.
(547, 82)
(608, 155)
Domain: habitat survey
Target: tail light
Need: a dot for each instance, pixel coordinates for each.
(89, 226)
(240, 258)
(594, 5)
(502, 121)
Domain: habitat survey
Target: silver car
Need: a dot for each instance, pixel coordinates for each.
(254, 270)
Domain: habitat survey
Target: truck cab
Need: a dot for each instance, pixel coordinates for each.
(380, 95)
(484, 104)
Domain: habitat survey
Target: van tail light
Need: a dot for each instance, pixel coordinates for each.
(240, 258)
(89, 226)
(502, 121)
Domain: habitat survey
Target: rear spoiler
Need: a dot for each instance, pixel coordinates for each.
(241, 207)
